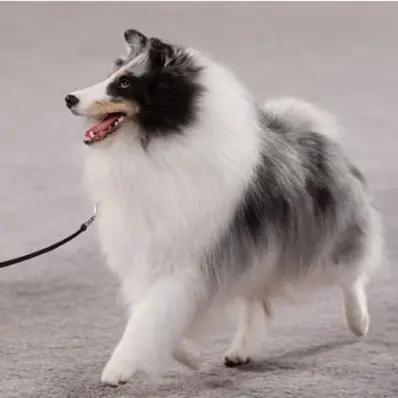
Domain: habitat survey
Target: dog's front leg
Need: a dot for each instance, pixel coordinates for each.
(155, 327)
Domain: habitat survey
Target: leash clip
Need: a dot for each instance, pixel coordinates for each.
(91, 219)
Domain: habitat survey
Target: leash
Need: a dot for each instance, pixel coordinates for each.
(54, 246)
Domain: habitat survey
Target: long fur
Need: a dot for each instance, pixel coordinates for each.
(235, 200)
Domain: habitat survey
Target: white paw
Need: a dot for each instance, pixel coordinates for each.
(117, 372)
(235, 358)
(188, 355)
(359, 324)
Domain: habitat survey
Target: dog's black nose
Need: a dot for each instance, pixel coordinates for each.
(71, 100)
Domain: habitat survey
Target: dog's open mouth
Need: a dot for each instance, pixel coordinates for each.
(108, 125)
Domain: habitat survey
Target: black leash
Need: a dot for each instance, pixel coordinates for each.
(47, 249)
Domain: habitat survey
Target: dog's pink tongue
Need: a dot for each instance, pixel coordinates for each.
(101, 129)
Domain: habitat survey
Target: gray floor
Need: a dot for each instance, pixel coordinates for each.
(59, 314)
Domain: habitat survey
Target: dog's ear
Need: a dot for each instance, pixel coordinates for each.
(160, 53)
(135, 40)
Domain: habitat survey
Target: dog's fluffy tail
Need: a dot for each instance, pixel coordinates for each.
(291, 114)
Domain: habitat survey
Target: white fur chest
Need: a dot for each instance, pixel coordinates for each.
(160, 210)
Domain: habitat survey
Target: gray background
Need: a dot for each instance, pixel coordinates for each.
(59, 313)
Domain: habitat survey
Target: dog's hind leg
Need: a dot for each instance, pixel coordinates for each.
(356, 309)
(251, 316)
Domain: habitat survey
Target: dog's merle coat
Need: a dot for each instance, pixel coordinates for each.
(206, 195)
(300, 190)
(303, 191)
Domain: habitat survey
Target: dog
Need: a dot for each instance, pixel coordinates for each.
(206, 196)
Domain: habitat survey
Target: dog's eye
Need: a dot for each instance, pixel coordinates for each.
(124, 82)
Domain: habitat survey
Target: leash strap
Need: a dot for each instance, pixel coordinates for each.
(54, 246)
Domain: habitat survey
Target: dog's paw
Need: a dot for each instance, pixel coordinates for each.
(117, 372)
(359, 325)
(188, 355)
(235, 358)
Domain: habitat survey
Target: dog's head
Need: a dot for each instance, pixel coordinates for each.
(154, 87)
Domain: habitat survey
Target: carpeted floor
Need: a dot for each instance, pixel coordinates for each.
(59, 314)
